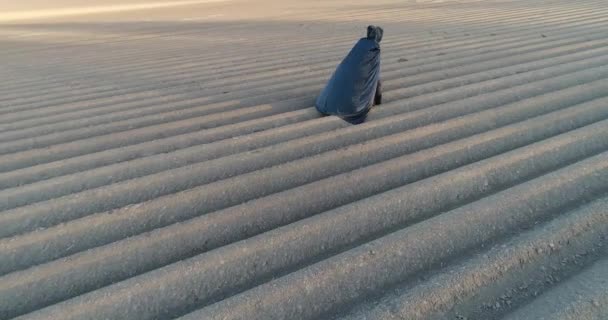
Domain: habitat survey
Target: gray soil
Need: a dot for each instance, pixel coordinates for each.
(163, 159)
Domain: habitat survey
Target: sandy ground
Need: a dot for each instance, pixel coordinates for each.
(112, 10)
(162, 159)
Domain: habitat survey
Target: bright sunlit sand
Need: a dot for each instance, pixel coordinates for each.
(28, 14)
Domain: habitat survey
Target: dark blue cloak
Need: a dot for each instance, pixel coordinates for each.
(350, 91)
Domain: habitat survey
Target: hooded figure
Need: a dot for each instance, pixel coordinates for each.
(355, 85)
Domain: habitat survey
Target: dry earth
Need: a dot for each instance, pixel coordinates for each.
(162, 159)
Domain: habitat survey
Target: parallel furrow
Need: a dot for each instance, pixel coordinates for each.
(176, 168)
(273, 64)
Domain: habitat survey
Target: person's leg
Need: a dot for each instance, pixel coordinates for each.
(378, 95)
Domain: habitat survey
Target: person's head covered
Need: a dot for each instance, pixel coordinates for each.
(375, 33)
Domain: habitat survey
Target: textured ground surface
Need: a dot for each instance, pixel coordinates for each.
(167, 163)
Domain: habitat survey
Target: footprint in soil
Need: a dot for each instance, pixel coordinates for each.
(402, 60)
